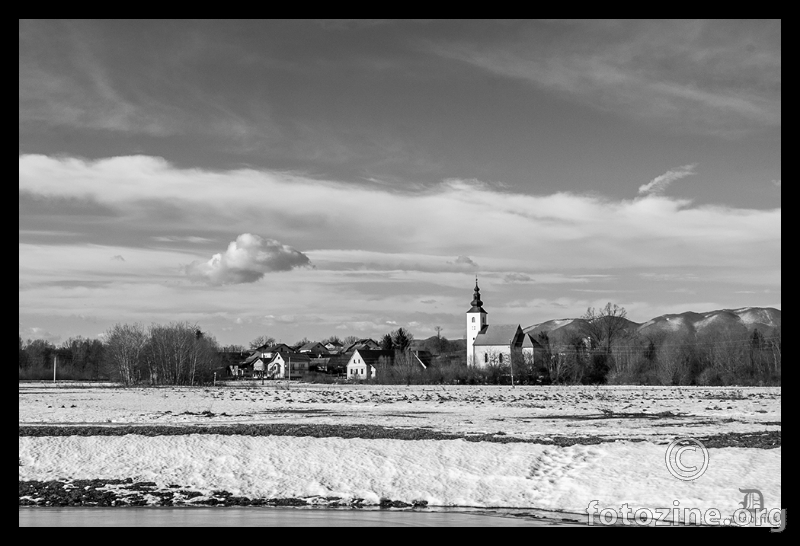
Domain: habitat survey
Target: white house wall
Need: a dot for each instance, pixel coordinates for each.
(357, 368)
(493, 352)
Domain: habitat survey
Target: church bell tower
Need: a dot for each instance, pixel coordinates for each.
(476, 322)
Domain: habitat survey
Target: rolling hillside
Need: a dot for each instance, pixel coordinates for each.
(736, 322)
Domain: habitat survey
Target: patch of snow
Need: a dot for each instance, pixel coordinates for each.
(443, 473)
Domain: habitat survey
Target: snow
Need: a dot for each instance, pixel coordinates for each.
(441, 472)
(524, 411)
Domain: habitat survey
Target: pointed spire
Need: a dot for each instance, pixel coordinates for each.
(476, 298)
(477, 304)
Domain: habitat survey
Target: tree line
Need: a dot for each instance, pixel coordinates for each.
(178, 353)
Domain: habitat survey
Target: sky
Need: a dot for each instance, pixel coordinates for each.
(304, 179)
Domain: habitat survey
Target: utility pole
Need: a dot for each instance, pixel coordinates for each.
(511, 362)
(55, 359)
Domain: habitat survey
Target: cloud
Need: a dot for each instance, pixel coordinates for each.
(118, 257)
(516, 278)
(34, 332)
(375, 249)
(561, 230)
(660, 183)
(176, 239)
(246, 260)
(464, 261)
(718, 77)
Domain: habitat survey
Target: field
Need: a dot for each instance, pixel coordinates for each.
(554, 448)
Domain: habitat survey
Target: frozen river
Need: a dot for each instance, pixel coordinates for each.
(270, 517)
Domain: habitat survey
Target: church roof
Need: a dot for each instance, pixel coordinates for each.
(477, 304)
(497, 334)
(529, 341)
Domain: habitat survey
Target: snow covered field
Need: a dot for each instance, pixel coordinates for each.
(653, 413)
(637, 422)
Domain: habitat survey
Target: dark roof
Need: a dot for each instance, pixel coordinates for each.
(295, 357)
(365, 343)
(529, 341)
(321, 360)
(425, 357)
(371, 356)
(251, 358)
(313, 346)
(278, 347)
(339, 361)
(497, 334)
(477, 309)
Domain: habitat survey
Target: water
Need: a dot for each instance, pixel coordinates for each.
(275, 517)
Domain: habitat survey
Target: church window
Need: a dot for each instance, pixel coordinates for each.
(473, 319)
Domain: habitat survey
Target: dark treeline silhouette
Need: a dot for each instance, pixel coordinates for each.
(181, 354)
(178, 353)
(77, 358)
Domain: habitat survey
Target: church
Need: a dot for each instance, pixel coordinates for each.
(494, 344)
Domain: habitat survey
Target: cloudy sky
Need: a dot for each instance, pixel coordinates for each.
(316, 178)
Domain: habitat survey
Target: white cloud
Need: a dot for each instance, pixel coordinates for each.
(375, 249)
(176, 239)
(660, 183)
(561, 230)
(517, 278)
(464, 261)
(247, 259)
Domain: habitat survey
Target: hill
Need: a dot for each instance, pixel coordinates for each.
(737, 323)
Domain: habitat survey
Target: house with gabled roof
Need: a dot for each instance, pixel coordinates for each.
(366, 343)
(363, 363)
(265, 350)
(282, 364)
(313, 348)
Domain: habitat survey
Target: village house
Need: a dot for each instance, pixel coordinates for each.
(272, 362)
(363, 363)
(313, 349)
(367, 343)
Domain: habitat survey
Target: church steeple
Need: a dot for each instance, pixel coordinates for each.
(477, 304)
(476, 323)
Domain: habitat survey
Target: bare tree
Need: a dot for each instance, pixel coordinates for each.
(606, 324)
(177, 355)
(261, 341)
(407, 366)
(349, 340)
(125, 344)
